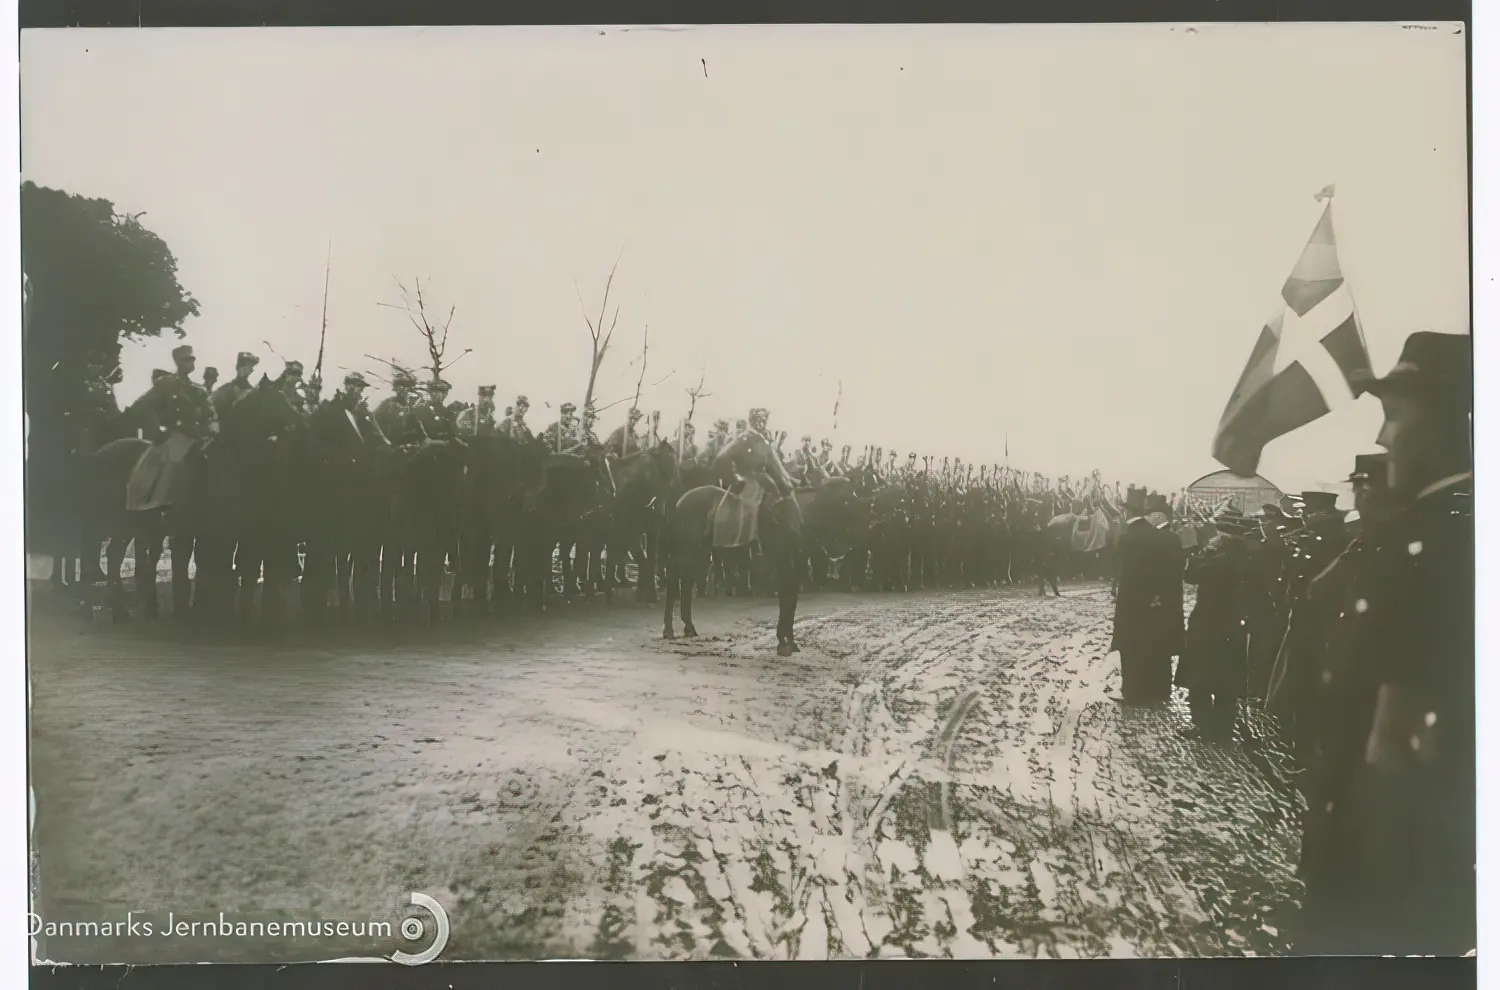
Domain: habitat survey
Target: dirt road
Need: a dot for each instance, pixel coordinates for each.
(937, 775)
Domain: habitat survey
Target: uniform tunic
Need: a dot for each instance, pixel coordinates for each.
(1389, 844)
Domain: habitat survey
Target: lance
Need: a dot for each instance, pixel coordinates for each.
(323, 336)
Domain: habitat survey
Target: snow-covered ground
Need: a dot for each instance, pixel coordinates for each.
(936, 774)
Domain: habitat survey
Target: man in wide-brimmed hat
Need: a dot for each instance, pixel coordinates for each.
(1389, 845)
(1214, 654)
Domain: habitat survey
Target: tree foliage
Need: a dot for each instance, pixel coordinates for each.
(98, 278)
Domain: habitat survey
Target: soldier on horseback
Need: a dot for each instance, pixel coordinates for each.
(623, 439)
(514, 424)
(294, 388)
(479, 420)
(182, 409)
(434, 417)
(238, 387)
(564, 434)
(394, 415)
(351, 399)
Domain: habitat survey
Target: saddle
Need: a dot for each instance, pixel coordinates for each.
(735, 520)
(154, 479)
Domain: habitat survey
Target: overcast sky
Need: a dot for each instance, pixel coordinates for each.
(1067, 235)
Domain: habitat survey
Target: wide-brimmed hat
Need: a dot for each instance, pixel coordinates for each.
(1437, 367)
(1369, 467)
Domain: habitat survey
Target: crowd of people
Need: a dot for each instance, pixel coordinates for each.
(1356, 630)
(1363, 637)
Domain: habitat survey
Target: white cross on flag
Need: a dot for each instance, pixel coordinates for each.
(1303, 362)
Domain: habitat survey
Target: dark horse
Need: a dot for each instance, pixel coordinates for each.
(782, 522)
(231, 509)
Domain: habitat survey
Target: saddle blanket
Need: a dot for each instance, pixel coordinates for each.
(155, 475)
(735, 518)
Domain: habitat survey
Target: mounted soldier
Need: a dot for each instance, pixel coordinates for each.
(623, 439)
(563, 435)
(479, 420)
(294, 388)
(186, 416)
(394, 414)
(689, 448)
(434, 417)
(351, 399)
(514, 424)
(238, 387)
(748, 467)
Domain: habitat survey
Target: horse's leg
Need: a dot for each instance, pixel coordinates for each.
(181, 548)
(115, 556)
(695, 560)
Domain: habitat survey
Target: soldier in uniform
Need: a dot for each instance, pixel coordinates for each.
(689, 446)
(1293, 687)
(433, 417)
(351, 399)
(292, 386)
(479, 420)
(514, 424)
(624, 438)
(238, 387)
(182, 410)
(394, 415)
(210, 379)
(1389, 845)
(563, 434)
(803, 460)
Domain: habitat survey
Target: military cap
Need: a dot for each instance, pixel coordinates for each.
(210, 372)
(245, 358)
(294, 368)
(759, 413)
(182, 352)
(355, 380)
(721, 424)
(521, 400)
(807, 438)
(487, 390)
(568, 407)
(1369, 467)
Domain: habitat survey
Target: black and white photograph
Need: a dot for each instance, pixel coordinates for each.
(763, 492)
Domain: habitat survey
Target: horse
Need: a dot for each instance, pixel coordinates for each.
(648, 482)
(351, 472)
(780, 522)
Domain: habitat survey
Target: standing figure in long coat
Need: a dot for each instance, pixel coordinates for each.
(1389, 844)
(1212, 667)
(1148, 607)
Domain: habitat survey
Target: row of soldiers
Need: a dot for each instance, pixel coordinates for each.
(417, 411)
(1366, 627)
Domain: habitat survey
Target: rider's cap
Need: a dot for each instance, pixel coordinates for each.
(182, 352)
(568, 407)
(294, 367)
(355, 380)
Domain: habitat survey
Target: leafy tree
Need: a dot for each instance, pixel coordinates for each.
(98, 278)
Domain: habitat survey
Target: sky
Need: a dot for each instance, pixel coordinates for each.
(1063, 239)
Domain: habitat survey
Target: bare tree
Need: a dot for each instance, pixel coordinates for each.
(435, 337)
(635, 404)
(696, 392)
(598, 335)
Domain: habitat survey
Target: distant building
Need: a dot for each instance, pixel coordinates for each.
(1246, 494)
